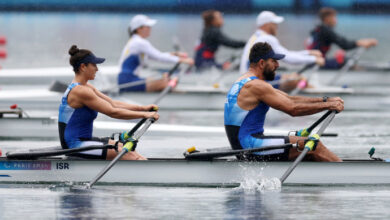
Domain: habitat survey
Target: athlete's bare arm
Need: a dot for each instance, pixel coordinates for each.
(311, 99)
(85, 96)
(119, 104)
(259, 91)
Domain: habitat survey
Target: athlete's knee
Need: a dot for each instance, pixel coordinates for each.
(320, 147)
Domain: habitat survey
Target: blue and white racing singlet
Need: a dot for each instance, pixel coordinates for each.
(133, 55)
(74, 125)
(241, 125)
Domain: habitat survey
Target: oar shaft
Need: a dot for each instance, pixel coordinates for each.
(326, 123)
(211, 155)
(139, 124)
(106, 169)
(124, 86)
(158, 99)
(137, 136)
(163, 93)
(330, 135)
(298, 89)
(292, 167)
(352, 61)
(305, 150)
(50, 153)
(174, 68)
(148, 123)
(306, 67)
(315, 124)
(135, 128)
(140, 82)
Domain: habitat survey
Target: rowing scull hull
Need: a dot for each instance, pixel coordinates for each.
(181, 172)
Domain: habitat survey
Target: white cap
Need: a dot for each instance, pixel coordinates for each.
(268, 17)
(141, 20)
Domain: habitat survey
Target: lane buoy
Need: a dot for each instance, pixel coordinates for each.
(3, 54)
(3, 40)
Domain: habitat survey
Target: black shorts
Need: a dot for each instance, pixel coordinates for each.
(93, 154)
(283, 156)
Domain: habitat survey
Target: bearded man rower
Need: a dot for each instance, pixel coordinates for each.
(250, 98)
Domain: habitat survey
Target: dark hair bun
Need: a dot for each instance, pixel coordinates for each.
(73, 50)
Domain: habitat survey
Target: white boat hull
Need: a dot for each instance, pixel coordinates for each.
(192, 173)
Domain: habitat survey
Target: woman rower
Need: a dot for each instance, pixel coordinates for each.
(82, 102)
(134, 52)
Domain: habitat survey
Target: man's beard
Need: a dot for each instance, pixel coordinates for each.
(269, 74)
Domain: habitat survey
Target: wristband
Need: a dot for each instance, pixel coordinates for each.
(325, 98)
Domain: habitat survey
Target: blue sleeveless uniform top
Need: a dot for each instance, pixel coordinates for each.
(240, 123)
(74, 125)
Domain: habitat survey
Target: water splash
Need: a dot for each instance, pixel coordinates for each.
(262, 184)
(254, 180)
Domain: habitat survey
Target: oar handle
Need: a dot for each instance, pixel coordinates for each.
(148, 123)
(172, 83)
(355, 57)
(306, 67)
(303, 83)
(352, 61)
(105, 170)
(174, 68)
(316, 123)
(138, 125)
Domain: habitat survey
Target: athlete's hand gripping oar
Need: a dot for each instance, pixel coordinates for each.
(306, 131)
(350, 63)
(309, 145)
(128, 146)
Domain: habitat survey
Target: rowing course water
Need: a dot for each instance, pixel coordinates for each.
(113, 202)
